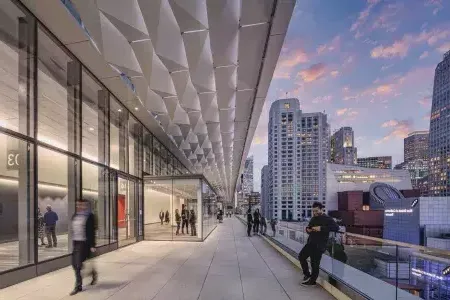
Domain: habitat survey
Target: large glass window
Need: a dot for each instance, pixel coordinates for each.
(95, 120)
(58, 190)
(209, 209)
(58, 94)
(16, 204)
(16, 84)
(148, 152)
(96, 190)
(118, 135)
(172, 209)
(163, 160)
(134, 147)
(156, 157)
(126, 211)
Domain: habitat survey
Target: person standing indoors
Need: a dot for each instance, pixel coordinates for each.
(50, 219)
(83, 239)
(178, 220)
(184, 219)
(249, 222)
(167, 218)
(161, 217)
(256, 221)
(192, 220)
(41, 227)
(319, 229)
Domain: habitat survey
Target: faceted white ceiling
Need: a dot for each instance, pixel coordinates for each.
(202, 68)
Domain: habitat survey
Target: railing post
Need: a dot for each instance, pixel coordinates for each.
(396, 271)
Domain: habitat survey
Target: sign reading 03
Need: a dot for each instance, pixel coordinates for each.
(12, 159)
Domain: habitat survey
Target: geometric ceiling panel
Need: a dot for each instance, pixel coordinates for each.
(200, 68)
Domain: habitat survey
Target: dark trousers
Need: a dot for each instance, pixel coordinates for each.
(263, 228)
(178, 228)
(193, 229)
(255, 227)
(162, 221)
(315, 254)
(50, 230)
(79, 255)
(273, 229)
(249, 228)
(185, 224)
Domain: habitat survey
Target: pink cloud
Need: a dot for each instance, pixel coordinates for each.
(289, 60)
(313, 73)
(330, 47)
(347, 112)
(397, 129)
(323, 99)
(423, 55)
(342, 111)
(384, 68)
(401, 47)
(444, 48)
(362, 18)
(425, 101)
(334, 73)
(435, 4)
(387, 18)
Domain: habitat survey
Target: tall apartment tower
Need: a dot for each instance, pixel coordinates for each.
(264, 190)
(439, 143)
(416, 146)
(247, 186)
(299, 149)
(343, 150)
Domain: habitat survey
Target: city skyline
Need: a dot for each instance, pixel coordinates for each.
(399, 42)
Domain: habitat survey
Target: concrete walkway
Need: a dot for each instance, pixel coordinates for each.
(228, 266)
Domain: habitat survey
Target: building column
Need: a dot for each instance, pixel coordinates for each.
(103, 184)
(74, 138)
(20, 156)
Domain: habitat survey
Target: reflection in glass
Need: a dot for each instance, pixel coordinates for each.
(118, 134)
(209, 209)
(16, 233)
(134, 149)
(17, 35)
(96, 190)
(158, 203)
(57, 192)
(95, 118)
(156, 157)
(148, 155)
(58, 86)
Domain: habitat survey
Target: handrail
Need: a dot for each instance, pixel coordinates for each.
(425, 249)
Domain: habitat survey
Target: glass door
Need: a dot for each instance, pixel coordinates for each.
(126, 212)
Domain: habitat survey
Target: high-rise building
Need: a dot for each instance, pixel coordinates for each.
(439, 144)
(376, 162)
(416, 146)
(299, 148)
(416, 160)
(343, 150)
(247, 186)
(264, 189)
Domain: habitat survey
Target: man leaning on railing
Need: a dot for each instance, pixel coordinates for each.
(319, 229)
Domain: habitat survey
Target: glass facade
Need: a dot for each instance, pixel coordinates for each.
(178, 208)
(64, 136)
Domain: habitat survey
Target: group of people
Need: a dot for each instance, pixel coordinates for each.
(47, 226)
(257, 222)
(184, 219)
(164, 217)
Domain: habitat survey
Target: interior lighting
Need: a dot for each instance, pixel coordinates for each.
(446, 271)
(91, 128)
(194, 31)
(136, 108)
(119, 110)
(255, 24)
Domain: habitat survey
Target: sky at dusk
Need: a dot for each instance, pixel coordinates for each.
(368, 64)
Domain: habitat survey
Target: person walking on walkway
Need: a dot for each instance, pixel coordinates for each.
(184, 219)
(249, 222)
(50, 219)
(263, 225)
(273, 223)
(83, 239)
(256, 216)
(193, 220)
(178, 220)
(319, 229)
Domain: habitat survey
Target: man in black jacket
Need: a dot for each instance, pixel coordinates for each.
(184, 219)
(83, 237)
(319, 229)
(249, 222)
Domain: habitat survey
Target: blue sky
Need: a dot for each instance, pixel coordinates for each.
(368, 64)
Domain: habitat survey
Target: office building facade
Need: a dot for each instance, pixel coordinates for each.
(247, 183)
(416, 146)
(299, 149)
(264, 190)
(439, 143)
(343, 150)
(375, 162)
(119, 111)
